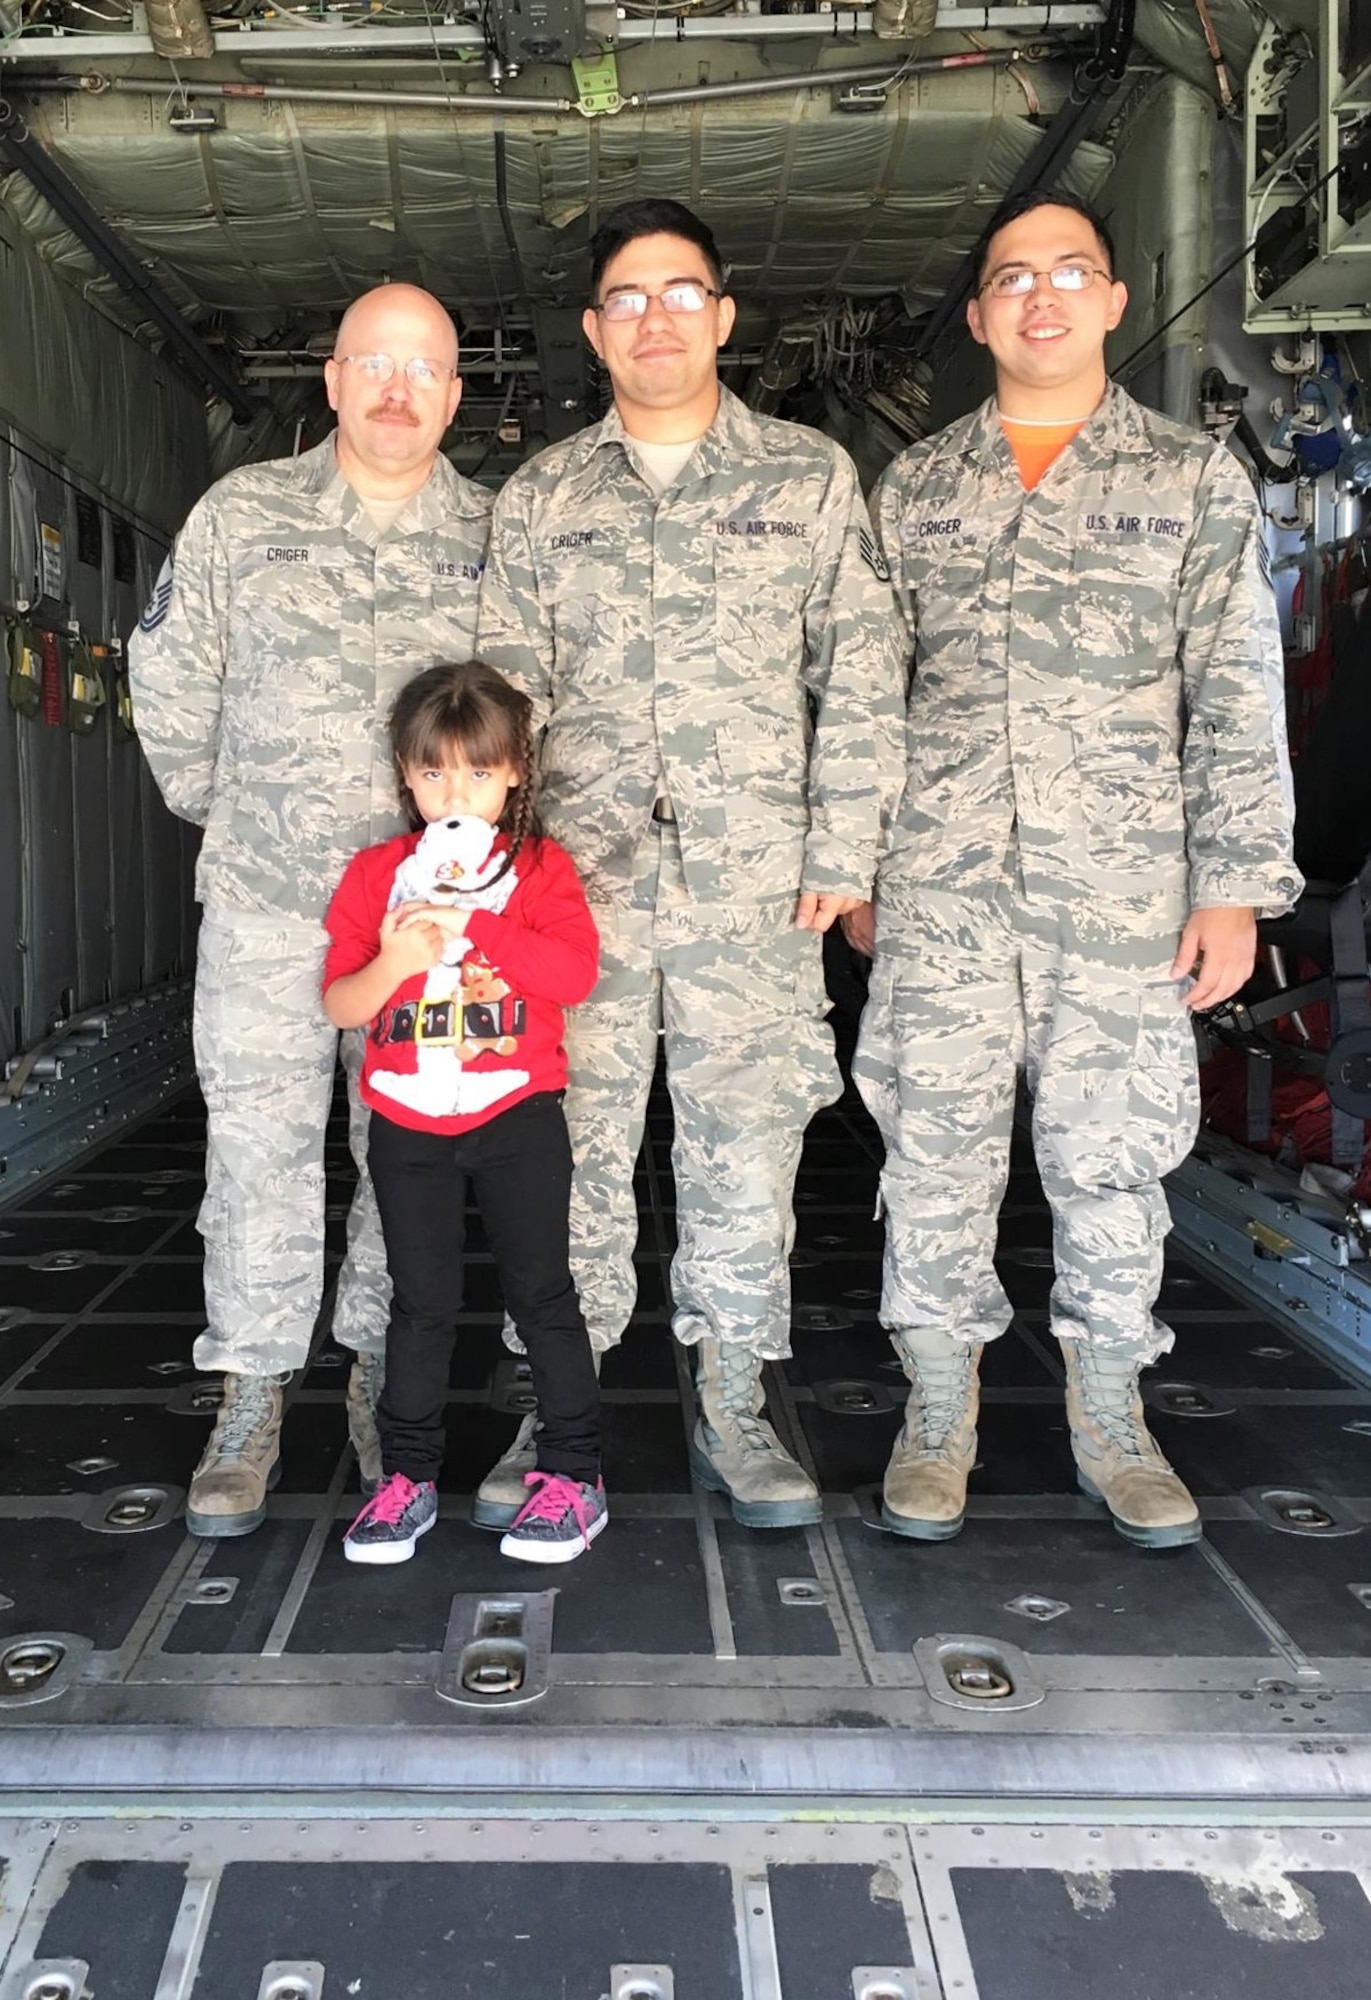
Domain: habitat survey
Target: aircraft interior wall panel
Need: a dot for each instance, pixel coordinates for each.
(161, 843)
(124, 580)
(163, 869)
(46, 789)
(11, 899)
(90, 773)
(7, 564)
(90, 765)
(86, 569)
(51, 969)
(128, 774)
(11, 836)
(54, 558)
(22, 537)
(1165, 247)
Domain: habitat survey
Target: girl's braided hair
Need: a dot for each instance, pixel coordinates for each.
(472, 706)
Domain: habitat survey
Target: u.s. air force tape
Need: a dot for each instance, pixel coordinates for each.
(160, 601)
(871, 555)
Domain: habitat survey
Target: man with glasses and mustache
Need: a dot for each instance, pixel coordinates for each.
(301, 594)
(691, 594)
(1097, 807)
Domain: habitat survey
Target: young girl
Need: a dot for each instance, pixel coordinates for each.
(464, 1073)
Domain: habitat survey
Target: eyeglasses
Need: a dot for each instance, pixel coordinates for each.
(687, 297)
(379, 368)
(1018, 282)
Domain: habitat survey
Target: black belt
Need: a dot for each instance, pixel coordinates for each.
(443, 1023)
(436, 1022)
(663, 814)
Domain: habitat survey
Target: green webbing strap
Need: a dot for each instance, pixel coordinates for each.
(86, 692)
(24, 665)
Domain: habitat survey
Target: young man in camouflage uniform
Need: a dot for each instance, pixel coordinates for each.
(301, 595)
(692, 596)
(1097, 806)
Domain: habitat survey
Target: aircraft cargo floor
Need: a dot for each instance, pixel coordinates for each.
(1031, 1761)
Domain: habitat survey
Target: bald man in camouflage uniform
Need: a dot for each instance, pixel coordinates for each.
(692, 596)
(1098, 801)
(302, 594)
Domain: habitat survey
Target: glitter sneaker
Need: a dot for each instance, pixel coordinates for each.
(392, 1521)
(559, 1520)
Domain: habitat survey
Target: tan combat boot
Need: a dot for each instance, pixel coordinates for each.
(228, 1490)
(366, 1380)
(734, 1451)
(502, 1492)
(1117, 1459)
(925, 1482)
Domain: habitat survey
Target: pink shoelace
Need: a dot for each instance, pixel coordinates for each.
(389, 1502)
(550, 1502)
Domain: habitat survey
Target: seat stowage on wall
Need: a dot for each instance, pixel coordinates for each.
(103, 448)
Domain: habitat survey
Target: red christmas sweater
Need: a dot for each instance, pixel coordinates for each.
(456, 1046)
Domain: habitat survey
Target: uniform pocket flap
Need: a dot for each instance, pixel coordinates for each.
(747, 749)
(1118, 748)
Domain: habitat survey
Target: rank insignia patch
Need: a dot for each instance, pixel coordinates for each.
(160, 601)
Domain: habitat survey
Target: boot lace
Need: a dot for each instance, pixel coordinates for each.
(738, 1384)
(757, 1435)
(248, 1410)
(1113, 1412)
(942, 1406)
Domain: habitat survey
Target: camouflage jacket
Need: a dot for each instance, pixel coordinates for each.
(735, 638)
(1097, 714)
(264, 668)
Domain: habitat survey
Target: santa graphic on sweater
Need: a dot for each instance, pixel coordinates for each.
(466, 1009)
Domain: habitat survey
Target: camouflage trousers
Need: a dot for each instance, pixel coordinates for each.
(265, 1053)
(960, 1000)
(737, 997)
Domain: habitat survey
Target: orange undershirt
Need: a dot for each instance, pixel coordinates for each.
(1036, 445)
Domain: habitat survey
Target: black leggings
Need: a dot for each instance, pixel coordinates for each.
(518, 1167)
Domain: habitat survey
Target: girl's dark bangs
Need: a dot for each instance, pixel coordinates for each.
(483, 732)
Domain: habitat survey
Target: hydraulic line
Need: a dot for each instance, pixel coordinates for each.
(890, 72)
(506, 219)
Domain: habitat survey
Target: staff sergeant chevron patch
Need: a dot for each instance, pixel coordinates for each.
(160, 600)
(871, 555)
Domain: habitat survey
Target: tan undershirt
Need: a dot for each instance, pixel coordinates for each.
(384, 513)
(662, 464)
